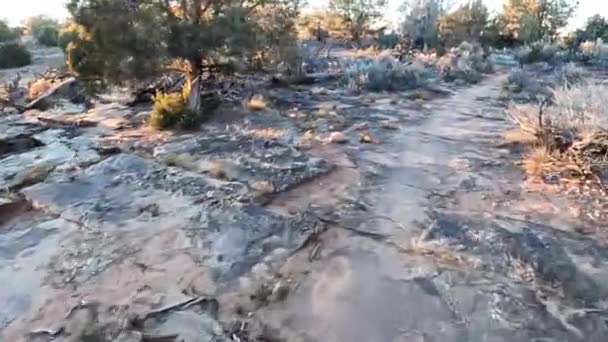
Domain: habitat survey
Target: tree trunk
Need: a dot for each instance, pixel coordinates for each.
(194, 83)
(194, 97)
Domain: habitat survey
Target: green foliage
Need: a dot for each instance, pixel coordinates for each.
(421, 22)
(69, 33)
(388, 40)
(13, 55)
(8, 33)
(384, 73)
(321, 25)
(595, 28)
(138, 40)
(275, 38)
(532, 20)
(358, 15)
(466, 23)
(48, 36)
(170, 111)
(537, 52)
(44, 29)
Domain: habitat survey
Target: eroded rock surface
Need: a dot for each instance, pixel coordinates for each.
(256, 228)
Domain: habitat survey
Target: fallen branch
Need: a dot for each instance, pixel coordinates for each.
(183, 305)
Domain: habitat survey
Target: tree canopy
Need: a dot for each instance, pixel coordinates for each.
(358, 15)
(124, 40)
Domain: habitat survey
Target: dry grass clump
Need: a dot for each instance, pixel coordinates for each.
(466, 62)
(257, 103)
(39, 87)
(383, 72)
(571, 134)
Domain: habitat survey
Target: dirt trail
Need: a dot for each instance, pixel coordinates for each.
(460, 260)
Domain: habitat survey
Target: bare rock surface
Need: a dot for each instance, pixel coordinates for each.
(239, 231)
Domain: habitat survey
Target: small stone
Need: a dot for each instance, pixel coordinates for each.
(264, 187)
(389, 125)
(361, 126)
(368, 138)
(10, 111)
(337, 138)
(280, 291)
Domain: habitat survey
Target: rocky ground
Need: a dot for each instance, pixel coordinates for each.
(413, 223)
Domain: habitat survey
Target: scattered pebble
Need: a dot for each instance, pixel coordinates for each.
(389, 125)
(367, 138)
(337, 138)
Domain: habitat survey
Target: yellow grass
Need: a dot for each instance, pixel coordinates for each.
(520, 137)
(537, 161)
(39, 87)
(257, 103)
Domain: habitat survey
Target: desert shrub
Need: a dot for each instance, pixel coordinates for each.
(429, 59)
(8, 33)
(387, 40)
(573, 130)
(518, 79)
(466, 62)
(570, 73)
(170, 111)
(594, 51)
(13, 55)
(48, 36)
(537, 52)
(383, 72)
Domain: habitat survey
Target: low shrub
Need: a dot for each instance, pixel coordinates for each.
(518, 79)
(594, 51)
(13, 55)
(572, 131)
(48, 36)
(537, 52)
(170, 111)
(383, 72)
(466, 62)
(570, 73)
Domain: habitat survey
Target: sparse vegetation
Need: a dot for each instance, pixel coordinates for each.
(537, 52)
(571, 134)
(383, 72)
(570, 74)
(467, 62)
